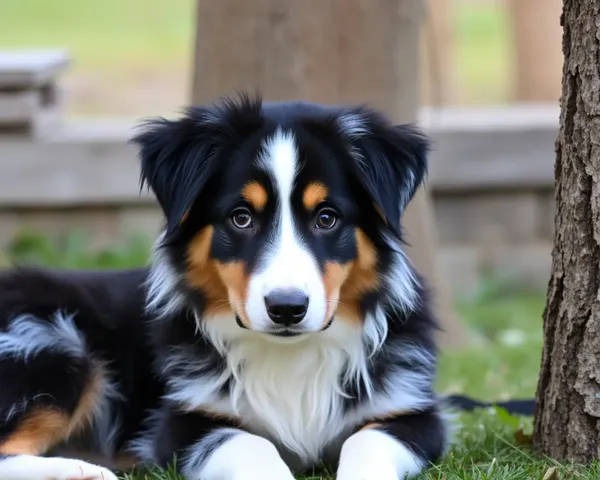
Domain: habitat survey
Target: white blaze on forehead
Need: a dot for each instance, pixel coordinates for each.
(287, 263)
(280, 159)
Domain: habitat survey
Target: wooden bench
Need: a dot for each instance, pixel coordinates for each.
(31, 99)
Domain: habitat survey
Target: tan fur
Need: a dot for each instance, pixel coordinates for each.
(37, 432)
(335, 275)
(202, 273)
(43, 428)
(391, 416)
(361, 278)
(233, 276)
(184, 217)
(89, 401)
(380, 419)
(313, 195)
(224, 284)
(256, 195)
(370, 426)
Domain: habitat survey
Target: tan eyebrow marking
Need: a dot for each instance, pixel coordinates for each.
(255, 194)
(314, 194)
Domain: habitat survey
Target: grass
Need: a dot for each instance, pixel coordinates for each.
(482, 57)
(133, 57)
(142, 30)
(130, 57)
(502, 362)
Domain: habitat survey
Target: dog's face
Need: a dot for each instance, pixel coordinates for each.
(281, 214)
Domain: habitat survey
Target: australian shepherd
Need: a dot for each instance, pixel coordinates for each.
(279, 328)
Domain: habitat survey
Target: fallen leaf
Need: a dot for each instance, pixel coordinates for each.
(522, 438)
(551, 474)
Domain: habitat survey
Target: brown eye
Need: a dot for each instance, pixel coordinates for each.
(326, 219)
(242, 218)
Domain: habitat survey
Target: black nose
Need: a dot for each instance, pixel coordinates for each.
(286, 307)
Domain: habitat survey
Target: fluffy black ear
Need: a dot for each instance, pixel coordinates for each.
(390, 161)
(179, 157)
(176, 162)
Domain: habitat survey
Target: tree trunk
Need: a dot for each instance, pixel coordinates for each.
(567, 423)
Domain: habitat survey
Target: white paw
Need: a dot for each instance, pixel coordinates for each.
(242, 457)
(67, 469)
(27, 467)
(374, 455)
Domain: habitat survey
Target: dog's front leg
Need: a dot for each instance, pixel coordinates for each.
(395, 448)
(229, 454)
(213, 447)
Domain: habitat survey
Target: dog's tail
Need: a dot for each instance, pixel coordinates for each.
(514, 407)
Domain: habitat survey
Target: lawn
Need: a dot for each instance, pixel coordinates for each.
(482, 56)
(133, 57)
(130, 57)
(501, 363)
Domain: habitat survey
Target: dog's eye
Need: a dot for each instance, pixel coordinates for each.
(326, 219)
(242, 218)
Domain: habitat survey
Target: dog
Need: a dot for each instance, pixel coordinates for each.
(278, 328)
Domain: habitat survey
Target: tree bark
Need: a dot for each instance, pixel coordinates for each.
(567, 421)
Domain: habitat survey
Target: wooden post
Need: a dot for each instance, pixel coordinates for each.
(537, 49)
(31, 97)
(437, 81)
(333, 51)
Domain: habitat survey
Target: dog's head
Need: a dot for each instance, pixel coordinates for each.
(283, 218)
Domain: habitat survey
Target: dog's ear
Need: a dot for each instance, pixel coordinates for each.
(390, 161)
(177, 162)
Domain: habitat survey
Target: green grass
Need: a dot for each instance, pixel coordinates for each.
(502, 362)
(133, 57)
(482, 56)
(114, 32)
(130, 57)
(73, 252)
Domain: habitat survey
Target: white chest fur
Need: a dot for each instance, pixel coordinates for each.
(289, 392)
(293, 392)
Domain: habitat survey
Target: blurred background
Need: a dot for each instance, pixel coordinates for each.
(134, 57)
(75, 76)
